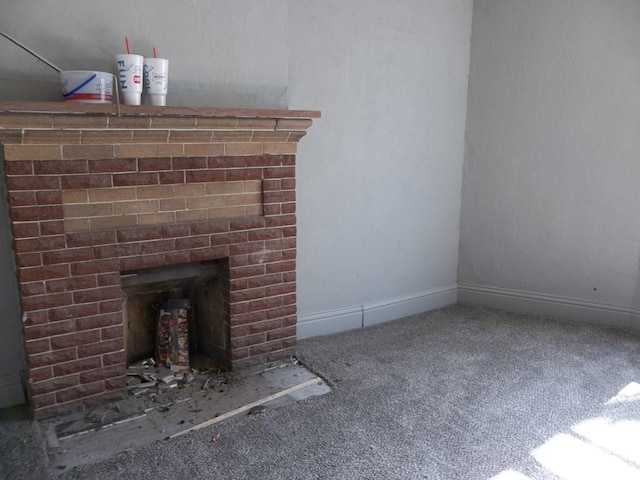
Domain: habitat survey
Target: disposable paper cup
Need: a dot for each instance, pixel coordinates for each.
(130, 77)
(156, 79)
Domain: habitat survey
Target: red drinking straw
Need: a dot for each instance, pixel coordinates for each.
(155, 53)
(126, 41)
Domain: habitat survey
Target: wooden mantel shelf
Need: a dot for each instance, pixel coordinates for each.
(19, 106)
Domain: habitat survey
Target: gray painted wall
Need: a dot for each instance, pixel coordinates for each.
(379, 174)
(550, 197)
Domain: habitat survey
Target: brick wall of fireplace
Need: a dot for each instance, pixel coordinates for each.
(94, 194)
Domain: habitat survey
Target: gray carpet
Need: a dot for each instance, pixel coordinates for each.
(458, 393)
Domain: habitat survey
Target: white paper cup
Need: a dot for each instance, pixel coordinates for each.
(156, 80)
(130, 77)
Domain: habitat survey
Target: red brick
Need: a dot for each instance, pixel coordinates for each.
(25, 260)
(67, 255)
(289, 299)
(79, 391)
(271, 185)
(211, 253)
(47, 301)
(264, 280)
(49, 329)
(94, 266)
(41, 212)
(41, 401)
(146, 261)
(239, 342)
(290, 320)
(33, 183)
(199, 176)
(252, 271)
(77, 366)
(265, 234)
(112, 333)
(209, 227)
(73, 311)
(244, 295)
(105, 279)
(265, 326)
(229, 238)
(37, 346)
(282, 333)
(192, 242)
(18, 167)
(49, 197)
(154, 164)
(280, 289)
(288, 159)
(280, 172)
(49, 167)
(184, 163)
(36, 318)
(288, 266)
(97, 294)
(247, 223)
(265, 348)
(113, 165)
(139, 234)
(74, 339)
(138, 178)
(110, 306)
(72, 182)
(169, 178)
(51, 358)
(246, 318)
(40, 244)
(281, 312)
(40, 374)
(22, 199)
(30, 289)
(239, 353)
(289, 277)
(289, 232)
(99, 321)
(288, 183)
(53, 227)
(246, 248)
(281, 221)
(243, 174)
(32, 274)
(53, 385)
(157, 246)
(100, 348)
(177, 257)
(227, 162)
(175, 231)
(264, 304)
(114, 358)
(266, 161)
(70, 284)
(272, 209)
(104, 373)
(288, 208)
(84, 239)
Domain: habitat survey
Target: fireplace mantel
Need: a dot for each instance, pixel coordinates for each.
(97, 190)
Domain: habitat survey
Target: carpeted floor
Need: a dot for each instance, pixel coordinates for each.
(457, 393)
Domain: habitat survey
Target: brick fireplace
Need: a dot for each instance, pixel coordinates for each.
(98, 195)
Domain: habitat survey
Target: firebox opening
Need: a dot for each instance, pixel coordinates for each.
(148, 291)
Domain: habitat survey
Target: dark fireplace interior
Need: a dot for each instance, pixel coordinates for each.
(145, 291)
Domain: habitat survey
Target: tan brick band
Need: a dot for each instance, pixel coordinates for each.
(100, 208)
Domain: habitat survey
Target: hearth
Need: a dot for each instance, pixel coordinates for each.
(112, 211)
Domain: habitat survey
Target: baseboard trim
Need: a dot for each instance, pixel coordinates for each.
(330, 321)
(549, 305)
(406, 305)
(343, 319)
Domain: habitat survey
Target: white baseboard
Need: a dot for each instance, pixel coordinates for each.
(330, 321)
(406, 305)
(340, 320)
(549, 305)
